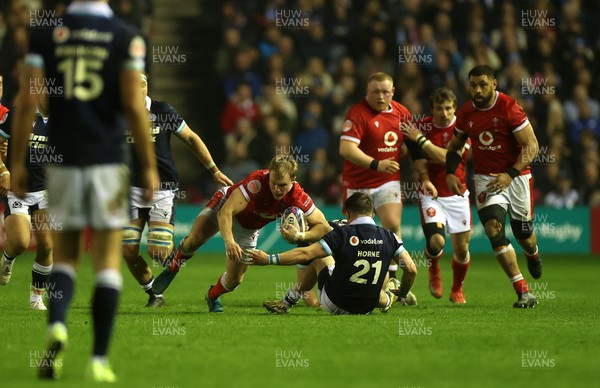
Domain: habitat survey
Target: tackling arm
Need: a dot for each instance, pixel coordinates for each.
(295, 256)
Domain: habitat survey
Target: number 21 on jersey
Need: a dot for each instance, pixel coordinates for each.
(365, 267)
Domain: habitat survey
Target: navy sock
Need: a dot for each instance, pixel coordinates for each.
(40, 275)
(61, 285)
(104, 308)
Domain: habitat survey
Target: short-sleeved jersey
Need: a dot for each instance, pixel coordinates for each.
(39, 153)
(441, 136)
(83, 57)
(362, 252)
(378, 135)
(165, 121)
(262, 207)
(495, 148)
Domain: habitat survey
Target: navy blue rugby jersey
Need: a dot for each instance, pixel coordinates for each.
(362, 252)
(39, 153)
(83, 57)
(165, 121)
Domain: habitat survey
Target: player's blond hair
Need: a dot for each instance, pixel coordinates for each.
(380, 77)
(282, 165)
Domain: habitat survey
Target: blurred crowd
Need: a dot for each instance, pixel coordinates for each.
(290, 69)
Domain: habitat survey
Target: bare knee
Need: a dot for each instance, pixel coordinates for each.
(131, 252)
(17, 245)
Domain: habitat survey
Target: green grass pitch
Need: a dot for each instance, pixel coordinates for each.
(485, 343)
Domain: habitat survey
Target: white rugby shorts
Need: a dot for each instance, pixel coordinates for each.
(95, 196)
(33, 201)
(160, 208)
(387, 193)
(454, 212)
(245, 238)
(516, 198)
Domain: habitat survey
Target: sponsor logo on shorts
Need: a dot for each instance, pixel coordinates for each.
(431, 212)
(482, 197)
(17, 205)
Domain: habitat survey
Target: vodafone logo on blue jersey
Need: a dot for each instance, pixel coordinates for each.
(354, 241)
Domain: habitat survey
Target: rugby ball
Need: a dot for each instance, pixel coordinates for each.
(293, 216)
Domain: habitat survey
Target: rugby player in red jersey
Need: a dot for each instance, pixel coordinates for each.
(371, 143)
(239, 212)
(503, 144)
(448, 210)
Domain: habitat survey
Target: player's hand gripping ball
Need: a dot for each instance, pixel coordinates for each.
(293, 216)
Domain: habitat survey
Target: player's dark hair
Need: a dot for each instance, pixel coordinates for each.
(441, 95)
(480, 70)
(359, 204)
(284, 165)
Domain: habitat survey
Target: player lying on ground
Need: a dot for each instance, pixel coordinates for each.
(352, 262)
(309, 279)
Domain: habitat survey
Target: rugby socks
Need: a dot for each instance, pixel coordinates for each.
(7, 257)
(433, 260)
(519, 284)
(459, 271)
(219, 288)
(534, 256)
(40, 275)
(104, 307)
(292, 297)
(61, 285)
(148, 287)
(179, 258)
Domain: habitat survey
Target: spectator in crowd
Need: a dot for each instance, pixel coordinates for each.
(241, 105)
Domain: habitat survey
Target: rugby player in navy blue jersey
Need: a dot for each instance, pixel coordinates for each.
(21, 215)
(97, 61)
(352, 262)
(159, 213)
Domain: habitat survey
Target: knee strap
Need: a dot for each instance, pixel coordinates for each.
(132, 235)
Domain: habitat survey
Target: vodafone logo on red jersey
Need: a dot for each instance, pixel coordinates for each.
(486, 138)
(390, 138)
